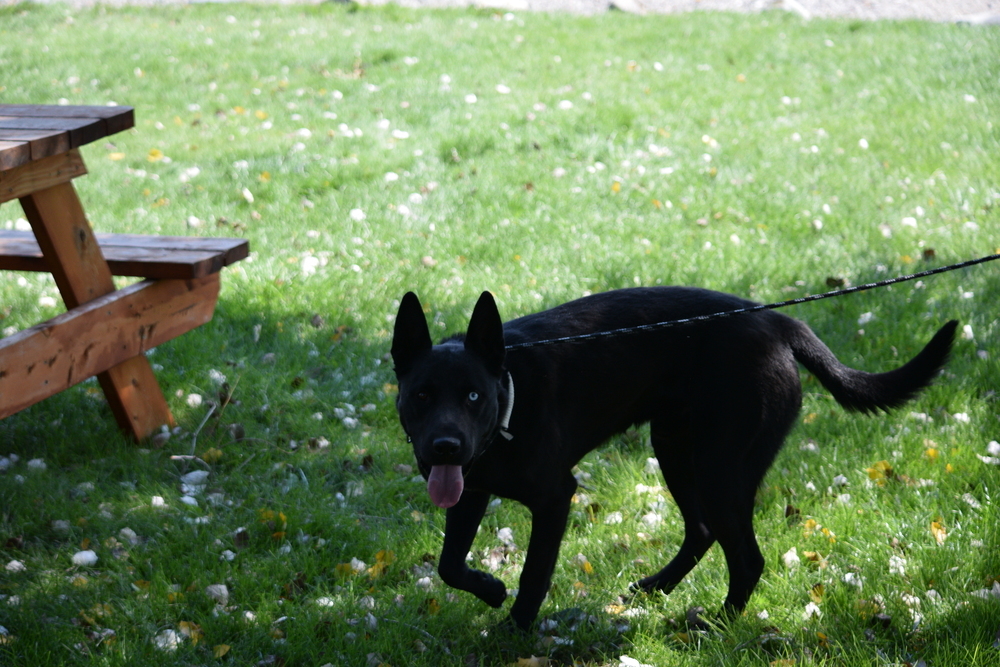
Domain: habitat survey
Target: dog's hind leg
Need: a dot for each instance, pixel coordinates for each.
(461, 524)
(676, 463)
(731, 521)
(548, 523)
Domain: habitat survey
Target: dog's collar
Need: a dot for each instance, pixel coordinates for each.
(505, 420)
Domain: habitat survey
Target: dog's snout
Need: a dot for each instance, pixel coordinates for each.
(446, 447)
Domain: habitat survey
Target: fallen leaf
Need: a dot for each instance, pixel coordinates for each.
(192, 631)
(211, 455)
(938, 531)
(881, 472)
(219, 650)
(533, 661)
(816, 593)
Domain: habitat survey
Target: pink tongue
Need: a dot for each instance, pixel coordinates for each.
(445, 485)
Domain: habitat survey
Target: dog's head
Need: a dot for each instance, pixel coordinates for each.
(449, 394)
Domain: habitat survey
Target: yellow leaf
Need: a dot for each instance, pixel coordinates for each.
(85, 543)
(816, 593)
(265, 176)
(140, 585)
(239, 110)
(616, 187)
(938, 531)
(116, 156)
(277, 634)
(949, 467)
(344, 569)
(154, 155)
(220, 650)
(211, 455)
(741, 78)
(261, 115)
(614, 609)
(80, 581)
(809, 418)
(880, 472)
(931, 453)
(417, 515)
(682, 637)
(192, 631)
(533, 661)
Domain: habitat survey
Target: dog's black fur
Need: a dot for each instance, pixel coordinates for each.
(720, 397)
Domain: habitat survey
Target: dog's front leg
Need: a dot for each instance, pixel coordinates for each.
(548, 523)
(461, 525)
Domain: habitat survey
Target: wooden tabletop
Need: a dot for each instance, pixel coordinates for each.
(30, 132)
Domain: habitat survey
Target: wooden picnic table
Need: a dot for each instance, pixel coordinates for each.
(105, 331)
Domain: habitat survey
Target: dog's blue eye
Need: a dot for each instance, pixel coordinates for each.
(473, 396)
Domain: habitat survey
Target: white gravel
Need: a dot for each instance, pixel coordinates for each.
(962, 11)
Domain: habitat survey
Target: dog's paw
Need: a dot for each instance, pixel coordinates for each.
(490, 590)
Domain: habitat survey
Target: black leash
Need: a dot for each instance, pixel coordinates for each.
(753, 309)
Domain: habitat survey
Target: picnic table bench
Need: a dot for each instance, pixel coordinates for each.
(105, 331)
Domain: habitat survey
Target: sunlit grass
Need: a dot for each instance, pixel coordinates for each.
(370, 151)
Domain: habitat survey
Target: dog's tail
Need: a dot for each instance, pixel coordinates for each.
(868, 392)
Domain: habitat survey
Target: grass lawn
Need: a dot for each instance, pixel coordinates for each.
(370, 151)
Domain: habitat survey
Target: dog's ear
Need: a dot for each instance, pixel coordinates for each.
(410, 335)
(485, 334)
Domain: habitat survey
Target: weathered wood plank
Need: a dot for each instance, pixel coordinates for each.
(78, 124)
(43, 142)
(14, 154)
(80, 130)
(40, 175)
(122, 117)
(98, 336)
(135, 254)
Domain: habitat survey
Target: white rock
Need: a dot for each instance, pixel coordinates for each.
(15, 566)
(219, 593)
(791, 558)
(168, 640)
(195, 477)
(36, 464)
(129, 536)
(85, 558)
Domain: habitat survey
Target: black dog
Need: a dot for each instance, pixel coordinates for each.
(720, 397)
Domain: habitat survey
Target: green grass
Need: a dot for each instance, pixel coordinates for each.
(539, 204)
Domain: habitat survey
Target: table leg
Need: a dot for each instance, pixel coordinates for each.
(68, 244)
